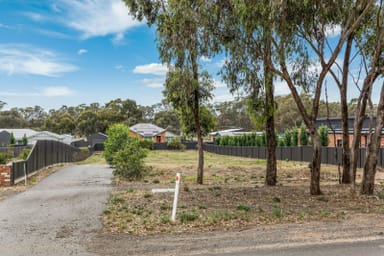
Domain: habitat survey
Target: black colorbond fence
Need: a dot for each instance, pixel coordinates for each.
(164, 146)
(45, 153)
(299, 154)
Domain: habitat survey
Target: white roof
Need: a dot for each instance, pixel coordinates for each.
(146, 129)
(19, 133)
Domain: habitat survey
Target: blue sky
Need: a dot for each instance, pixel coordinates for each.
(70, 52)
(67, 52)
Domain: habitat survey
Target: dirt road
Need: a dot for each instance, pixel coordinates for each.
(58, 216)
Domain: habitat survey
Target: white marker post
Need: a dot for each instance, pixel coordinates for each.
(177, 187)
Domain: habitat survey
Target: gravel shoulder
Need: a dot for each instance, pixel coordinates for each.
(361, 227)
(57, 216)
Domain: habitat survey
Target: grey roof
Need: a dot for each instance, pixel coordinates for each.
(146, 129)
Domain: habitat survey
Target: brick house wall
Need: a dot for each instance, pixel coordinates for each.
(339, 137)
(5, 175)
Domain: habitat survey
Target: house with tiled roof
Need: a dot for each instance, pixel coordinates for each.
(148, 131)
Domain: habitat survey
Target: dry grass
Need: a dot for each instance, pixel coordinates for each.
(233, 196)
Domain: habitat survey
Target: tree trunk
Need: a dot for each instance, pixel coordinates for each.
(368, 183)
(196, 116)
(316, 162)
(271, 171)
(346, 158)
(358, 123)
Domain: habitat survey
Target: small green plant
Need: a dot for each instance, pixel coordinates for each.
(147, 195)
(117, 200)
(277, 211)
(156, 181)
(165, 207)
(164, 219)
(188, 216)
(276, 199)
(380, 194)
(186, 189)
(202, 207)
(131, 190)
(243, 207)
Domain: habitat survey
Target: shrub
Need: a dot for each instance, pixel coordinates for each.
(303, 136)
(176, 143)
(147, 144)
(118, 135)
(323, 133)
(25, 153)
(129, 161)
(25, 140)
(3, 158)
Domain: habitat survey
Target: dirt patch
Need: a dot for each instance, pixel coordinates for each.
(233, 197)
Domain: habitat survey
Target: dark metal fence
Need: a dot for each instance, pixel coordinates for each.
(299, 154)
(45, 153)
(164, 146)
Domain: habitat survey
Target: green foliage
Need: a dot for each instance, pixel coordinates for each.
(288, 138)
(243, 207)
(118, 136)
(146, 143)
(25, 153)
(249, 139)
(12, 140)
(323, 133)
(176, 143)
(129, 161)
(295, 136)
(25, 140)
(3, 158)
(188, 216)
(303, 136)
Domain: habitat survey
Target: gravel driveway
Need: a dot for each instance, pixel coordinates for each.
(58, 216)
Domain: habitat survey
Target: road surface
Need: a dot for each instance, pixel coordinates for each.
(58, 216)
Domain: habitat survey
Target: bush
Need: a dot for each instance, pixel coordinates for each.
(3, 158)
(129, 161)
(25, 153)
(176, 143)
(147, 144)
(323, 133)
(118, 135)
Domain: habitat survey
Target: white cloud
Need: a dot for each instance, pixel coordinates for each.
(35, 16)
(333, 31)
(223, 97)
(118, 39)
(120, 67)
(205, 59)
(153, 82)
(95, 18)
(152, 68)
(281, 88)
(53, 91)
(56, 91)
(24, 59)
(82, 51)
(219, 84)
(221, 62)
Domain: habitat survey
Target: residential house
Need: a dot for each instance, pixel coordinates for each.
(148, 131)
(229, 132)
(335, 132)
(31, 135)
(96, 141)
